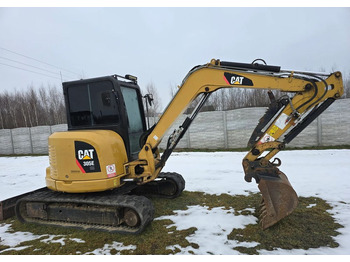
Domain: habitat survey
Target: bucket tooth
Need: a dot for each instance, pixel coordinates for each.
(263, 208)
(262, 215)
(262, 202)
(279, 199)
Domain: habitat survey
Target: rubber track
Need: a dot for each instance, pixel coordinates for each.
(142, 205)
(177, 178)
(153, 188)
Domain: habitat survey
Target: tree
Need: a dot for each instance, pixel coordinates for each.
(32, 108)
(156, 103)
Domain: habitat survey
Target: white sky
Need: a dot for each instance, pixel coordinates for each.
(161, 45)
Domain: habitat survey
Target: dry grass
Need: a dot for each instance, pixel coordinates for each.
(305, 228)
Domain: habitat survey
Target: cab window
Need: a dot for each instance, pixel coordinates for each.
(92, 104)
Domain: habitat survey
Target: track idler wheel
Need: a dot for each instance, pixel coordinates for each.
(131, 218)
(278, 199)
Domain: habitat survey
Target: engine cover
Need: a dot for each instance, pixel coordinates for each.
(85, 161)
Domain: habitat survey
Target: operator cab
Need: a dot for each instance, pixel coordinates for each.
(107, 103)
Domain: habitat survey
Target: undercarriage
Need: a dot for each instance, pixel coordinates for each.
(125, 210)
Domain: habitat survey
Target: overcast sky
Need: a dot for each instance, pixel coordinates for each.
(161, 45)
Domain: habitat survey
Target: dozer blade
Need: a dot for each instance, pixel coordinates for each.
(278, 200)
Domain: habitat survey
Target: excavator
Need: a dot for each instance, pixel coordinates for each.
(104, 169)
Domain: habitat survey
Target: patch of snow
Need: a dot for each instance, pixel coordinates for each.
(19, 175)
(13, 239)
(320, 173)
(311, 205)
(213, 227)
(249, 209)
(212, 173)
(50, 239)
(15, 249)
(106, 249)
(77, 240)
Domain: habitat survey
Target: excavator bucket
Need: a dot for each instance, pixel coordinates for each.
(278, 200)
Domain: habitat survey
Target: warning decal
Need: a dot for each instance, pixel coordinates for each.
(266, 138)
(111, 172)
(273, 130)
(282, 121)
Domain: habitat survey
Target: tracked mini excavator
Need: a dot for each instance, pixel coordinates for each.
(107, 163)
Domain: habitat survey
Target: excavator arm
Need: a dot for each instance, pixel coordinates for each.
(309, 94)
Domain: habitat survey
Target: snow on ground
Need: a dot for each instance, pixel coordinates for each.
(20, 175)
(221, 223)
(321, 173)
(13, 239)
(106, 249)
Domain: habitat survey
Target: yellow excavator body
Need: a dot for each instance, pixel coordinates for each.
(109, 150)
(85, 161)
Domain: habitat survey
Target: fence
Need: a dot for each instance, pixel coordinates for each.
(33, 140)
(210, 130)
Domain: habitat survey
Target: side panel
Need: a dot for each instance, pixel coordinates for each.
(85, 161)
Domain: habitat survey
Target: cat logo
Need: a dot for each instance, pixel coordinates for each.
(87, 154)
(236, 80)
(86, 157)
(233, 79)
